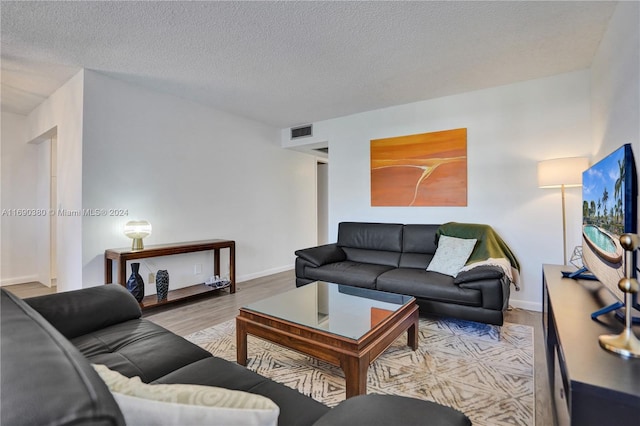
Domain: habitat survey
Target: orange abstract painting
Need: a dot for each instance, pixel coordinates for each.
(429, 169)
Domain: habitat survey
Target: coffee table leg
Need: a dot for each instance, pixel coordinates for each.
(412, 333)
(355, 374)
(241, 342)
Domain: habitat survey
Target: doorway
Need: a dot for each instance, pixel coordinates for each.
(323, 201)
(46, 195)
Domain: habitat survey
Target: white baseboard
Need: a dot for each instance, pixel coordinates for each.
(261, 274)
(18, 280)
(524, 304)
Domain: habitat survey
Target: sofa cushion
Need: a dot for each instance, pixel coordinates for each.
(415, 260)
(427, 285)
(418, 245)
(295, 408)
(187, 404)
(451, 255)
(370, 236)
(378, 257)
(138, 348)
(350, 273)
(419, 239)
(45, 380)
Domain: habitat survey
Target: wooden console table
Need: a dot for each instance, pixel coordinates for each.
(591, 386)
(122, 255)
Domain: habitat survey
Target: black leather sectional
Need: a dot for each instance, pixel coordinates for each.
(394, 257)
(49, 342)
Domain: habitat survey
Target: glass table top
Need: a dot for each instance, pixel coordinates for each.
(339, 309)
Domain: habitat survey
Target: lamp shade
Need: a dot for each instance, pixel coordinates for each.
(559, 172)
(137, 230)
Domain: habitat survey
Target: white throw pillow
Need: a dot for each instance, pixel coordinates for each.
(451, 255)
(181, 404)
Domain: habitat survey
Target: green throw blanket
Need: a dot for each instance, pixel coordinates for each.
(489, 242)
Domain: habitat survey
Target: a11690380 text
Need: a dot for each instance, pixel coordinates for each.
(64, 212)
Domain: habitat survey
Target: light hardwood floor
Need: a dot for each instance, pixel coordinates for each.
(32, 289)
(189, 317)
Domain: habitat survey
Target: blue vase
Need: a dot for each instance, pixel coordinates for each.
(162, 284)
(135, 285)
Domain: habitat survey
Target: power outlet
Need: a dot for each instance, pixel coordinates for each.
(152, 278)
(197, 269)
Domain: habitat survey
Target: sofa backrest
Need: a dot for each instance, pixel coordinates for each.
(418, 245)
(45, 379)
(98, 307)
(393, 244)
(379, 243)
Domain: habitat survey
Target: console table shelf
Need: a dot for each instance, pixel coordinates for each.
(590, 385)
(122, 255)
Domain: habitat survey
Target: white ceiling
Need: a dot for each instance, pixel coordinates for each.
(290, 63)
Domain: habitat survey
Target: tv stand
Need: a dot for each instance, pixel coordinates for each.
(590, 386)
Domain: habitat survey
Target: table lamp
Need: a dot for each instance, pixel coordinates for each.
(137, 230)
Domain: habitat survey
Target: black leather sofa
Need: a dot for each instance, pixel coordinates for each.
(49, 342)
(394, 258)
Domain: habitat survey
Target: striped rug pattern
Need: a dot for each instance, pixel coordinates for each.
(482, 370)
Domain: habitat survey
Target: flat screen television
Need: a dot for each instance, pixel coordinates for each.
(609, 209)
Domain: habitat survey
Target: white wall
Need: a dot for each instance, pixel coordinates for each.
(18, 236)
(195, 173)
(510, 129)
(61, 113)
(615, 84)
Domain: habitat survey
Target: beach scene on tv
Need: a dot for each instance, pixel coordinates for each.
(603, 218)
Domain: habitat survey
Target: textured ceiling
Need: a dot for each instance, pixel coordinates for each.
(290, 63)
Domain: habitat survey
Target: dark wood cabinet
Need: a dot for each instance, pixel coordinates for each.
(590, 385)
(122, 255)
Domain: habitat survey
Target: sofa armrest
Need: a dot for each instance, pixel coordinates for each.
(479, 273)
(490, 281)
(384, 410)
(78, 312)
(322, 255)
(45, 379)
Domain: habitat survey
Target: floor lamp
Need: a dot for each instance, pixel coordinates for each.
(562, 173)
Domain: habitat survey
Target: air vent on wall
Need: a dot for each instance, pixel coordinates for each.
(301, 131)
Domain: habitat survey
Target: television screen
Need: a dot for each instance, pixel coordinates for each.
(609, 209)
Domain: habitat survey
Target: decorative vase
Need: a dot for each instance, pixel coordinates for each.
(135, 285)
(162, 284)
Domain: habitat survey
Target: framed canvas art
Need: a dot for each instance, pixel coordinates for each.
(428, 169)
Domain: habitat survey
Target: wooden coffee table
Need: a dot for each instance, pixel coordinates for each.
(345, 326)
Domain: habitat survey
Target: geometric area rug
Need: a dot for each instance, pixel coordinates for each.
(482, 370)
